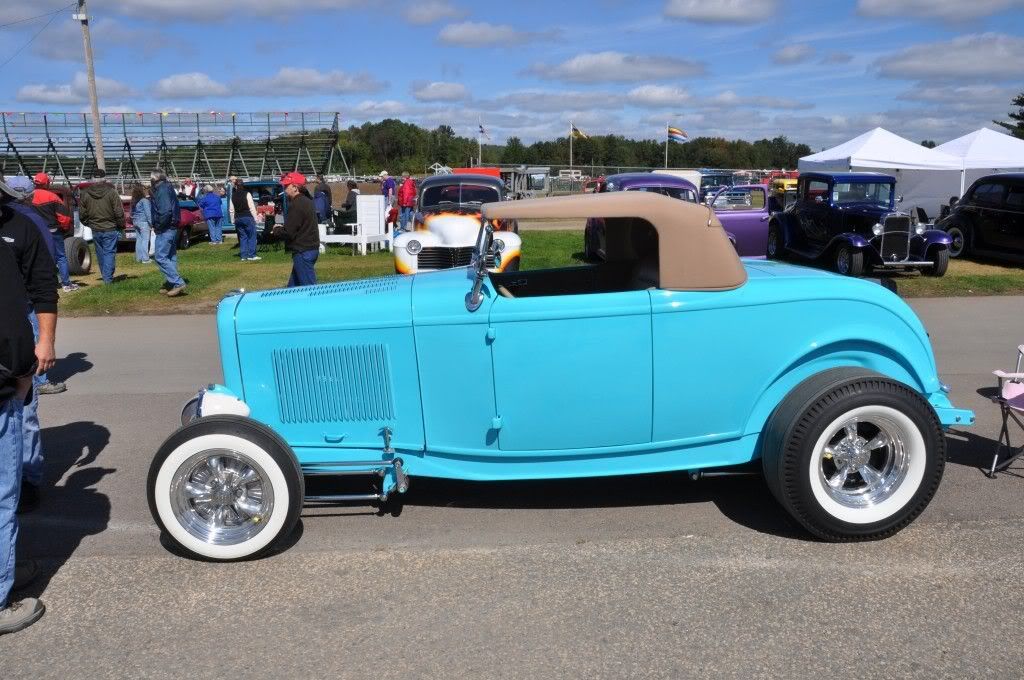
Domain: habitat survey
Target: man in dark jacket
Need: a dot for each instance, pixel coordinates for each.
(165, 219)
(16, 364)
(61, 223)
(100, 209)
(301, 234)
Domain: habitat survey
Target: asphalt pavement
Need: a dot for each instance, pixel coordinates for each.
(638, 577)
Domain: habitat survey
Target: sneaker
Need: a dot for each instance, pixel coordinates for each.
(25, 572)
(216, 243)
(51, 388)
(163, 291)
(20, 615)
(255, 258)
(176, 291)
(145, 261)
(29, 498)
(70, 288)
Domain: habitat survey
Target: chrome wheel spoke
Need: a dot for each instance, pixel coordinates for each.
(838, 480)
(248, 476)
(198, 491)
(216, 466)
(872, 477)
(878, 441)
(247, 506)
(220, 516)
(851, 429)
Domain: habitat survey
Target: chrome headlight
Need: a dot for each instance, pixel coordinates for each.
(919, 229)
(192, 409)
(499, 245)
(877, 229)
(413, 247)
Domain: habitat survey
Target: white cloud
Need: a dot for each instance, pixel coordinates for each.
(63, 41)
(75, 92)
(381, 109)
(990, 56)
(186, 10)
(949, 10)
(546, 101)
(617, 67)
(422, 12)
(793, 54)
(722, 11)
(988, 98)
(837, 58)
(438, 91)
(296, 82)
(483, 34)
(193, 85)
(730, 99)
(658, 95)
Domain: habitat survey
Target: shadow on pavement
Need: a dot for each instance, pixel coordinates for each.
(69, 366)
(71, 510)
(745, 500)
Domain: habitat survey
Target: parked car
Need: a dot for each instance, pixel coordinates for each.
(850, 221)
(477, 375)
(650, 182)
(743, 212)
(781, 193)
(191, 225)
(713, 180)
(989, 219)
(271, 206)
(446, 222)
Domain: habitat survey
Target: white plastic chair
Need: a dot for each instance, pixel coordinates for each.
(368, 230)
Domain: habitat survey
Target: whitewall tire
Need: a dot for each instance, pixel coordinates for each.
(225, 488)
(853, 455)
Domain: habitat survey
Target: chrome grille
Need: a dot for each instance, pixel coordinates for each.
(330, 384)
(895, 244)
(447, 258)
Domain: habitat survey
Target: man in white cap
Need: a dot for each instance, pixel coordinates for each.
(388, 188)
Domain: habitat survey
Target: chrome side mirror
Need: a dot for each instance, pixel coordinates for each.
(484, 242)
(899, 199)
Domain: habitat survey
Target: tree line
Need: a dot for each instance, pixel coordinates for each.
(395, 145)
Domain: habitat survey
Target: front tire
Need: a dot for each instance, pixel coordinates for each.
(774, 249)
(79, 257)
(941, 258)
(849, 262)
(853, 455)
(225, 488)
(960, 245)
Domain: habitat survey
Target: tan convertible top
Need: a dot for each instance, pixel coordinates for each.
(694, 251)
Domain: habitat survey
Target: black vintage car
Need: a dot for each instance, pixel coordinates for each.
(849, 221)
(989, 219)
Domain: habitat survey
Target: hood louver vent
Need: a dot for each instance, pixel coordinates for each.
(386, 284)
(332, 384)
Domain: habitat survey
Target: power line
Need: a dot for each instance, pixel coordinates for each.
(38, 16)
(34, 36)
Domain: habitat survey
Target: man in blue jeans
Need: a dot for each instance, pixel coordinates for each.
(165, 220)
(300, 231)
(243, 215)
(100, 209)
(18, 358)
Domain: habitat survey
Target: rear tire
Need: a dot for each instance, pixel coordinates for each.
(185, 238)
(225, 488)
(861, 487)
(775, 249)
(848, 262)
(79, 256)
(941, 258)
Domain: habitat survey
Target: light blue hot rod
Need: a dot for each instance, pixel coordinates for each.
(672, 354)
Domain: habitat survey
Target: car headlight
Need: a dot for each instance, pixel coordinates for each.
(877, 229)
(413, 247)
(499, 245)
(919, 229)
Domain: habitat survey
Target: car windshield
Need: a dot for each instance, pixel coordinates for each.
(462, 193)
(681, 193)
(739, 199)
(875, 193)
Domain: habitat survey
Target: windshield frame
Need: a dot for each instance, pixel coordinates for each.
(837, 201)
(440, 188)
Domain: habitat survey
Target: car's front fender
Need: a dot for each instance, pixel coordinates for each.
(850, 238)
(213, 400)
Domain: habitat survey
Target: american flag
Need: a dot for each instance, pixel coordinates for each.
(483, 132)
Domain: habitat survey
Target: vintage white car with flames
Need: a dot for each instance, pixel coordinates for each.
(446, 224)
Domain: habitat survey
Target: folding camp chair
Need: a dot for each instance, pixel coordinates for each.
(1011, 404)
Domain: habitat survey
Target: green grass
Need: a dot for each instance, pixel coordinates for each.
(211, 271)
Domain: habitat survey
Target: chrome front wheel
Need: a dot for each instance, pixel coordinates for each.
(225, 488)
(958, 238)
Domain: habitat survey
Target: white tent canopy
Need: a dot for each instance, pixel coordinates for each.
(985, 152)
(925, 177)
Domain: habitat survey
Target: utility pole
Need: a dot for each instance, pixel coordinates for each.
(83, 17)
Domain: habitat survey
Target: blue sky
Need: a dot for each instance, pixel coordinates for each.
(818, 72)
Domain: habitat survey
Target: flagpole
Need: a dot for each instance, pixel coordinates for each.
(479, 145)
(666, 146)
(570, 145)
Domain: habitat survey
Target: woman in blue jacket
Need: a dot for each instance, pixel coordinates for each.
(212, 213)
(140, 220)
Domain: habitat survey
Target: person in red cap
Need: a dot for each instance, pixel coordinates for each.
(58, 219)
(300, 231)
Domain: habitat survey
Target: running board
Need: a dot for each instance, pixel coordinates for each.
(385, 469)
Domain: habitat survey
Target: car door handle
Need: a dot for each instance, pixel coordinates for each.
(333, 438)
(765, 218)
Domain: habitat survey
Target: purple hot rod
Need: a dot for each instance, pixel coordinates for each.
(651, 182)
(743, 211)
